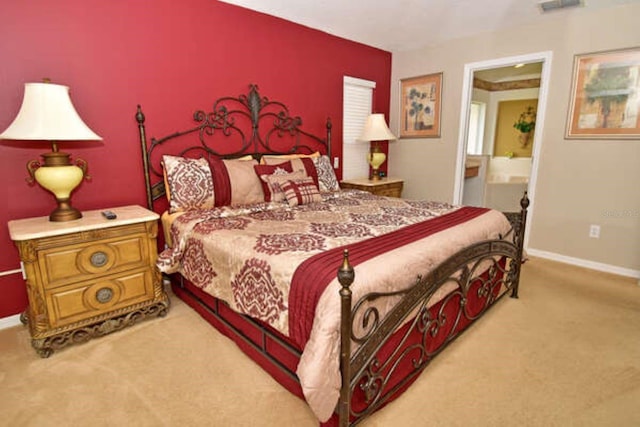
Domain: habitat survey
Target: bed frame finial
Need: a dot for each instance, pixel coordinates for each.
(145, 155)
(345, 272)
(524, 202)
(346, 275)
(140, 116)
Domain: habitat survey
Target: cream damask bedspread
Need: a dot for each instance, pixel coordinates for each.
(247, 256)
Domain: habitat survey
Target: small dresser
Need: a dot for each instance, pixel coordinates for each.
(88, 277)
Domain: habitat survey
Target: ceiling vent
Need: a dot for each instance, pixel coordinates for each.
(548, 6)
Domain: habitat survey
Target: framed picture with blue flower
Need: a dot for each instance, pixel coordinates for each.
(420, 106)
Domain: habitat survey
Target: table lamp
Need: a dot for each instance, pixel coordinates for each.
(47, 114)
(376, 130)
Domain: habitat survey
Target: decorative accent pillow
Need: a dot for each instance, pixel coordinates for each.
(306, 164)
(245, 158)
(264, 171)
(221, 182)
(271, 159)
(327, 180)
(301, 192)
(275, 181)
(190, 186)
(244, 183)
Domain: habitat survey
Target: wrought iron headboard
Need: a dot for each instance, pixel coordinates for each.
(246, 125)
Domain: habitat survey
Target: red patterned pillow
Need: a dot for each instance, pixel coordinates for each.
(307, 163)
(301, 192)
(276, 180)
(190, 186)
(266, 171)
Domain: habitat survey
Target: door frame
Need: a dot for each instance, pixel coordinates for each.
(467, 87)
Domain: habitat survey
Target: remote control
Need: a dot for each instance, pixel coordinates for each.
(109, 215)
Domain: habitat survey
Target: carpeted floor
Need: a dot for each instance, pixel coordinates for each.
(566, 353)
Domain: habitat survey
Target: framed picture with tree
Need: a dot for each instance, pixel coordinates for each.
(605, 96)
(420, 106)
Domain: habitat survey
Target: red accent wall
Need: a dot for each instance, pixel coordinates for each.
(172, 57)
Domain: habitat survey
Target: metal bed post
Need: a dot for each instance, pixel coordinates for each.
(524, 204)
(145, 156)
(345, 277)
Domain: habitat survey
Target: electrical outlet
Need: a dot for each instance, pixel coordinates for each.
(336, 162)
(594, 231)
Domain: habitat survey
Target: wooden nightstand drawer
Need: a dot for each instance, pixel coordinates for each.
(78, 262)
(78, 302)
(388, 187)
(90, 276)
(389, 190)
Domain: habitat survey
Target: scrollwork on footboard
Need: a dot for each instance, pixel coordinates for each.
(393, 347)
(430, 314)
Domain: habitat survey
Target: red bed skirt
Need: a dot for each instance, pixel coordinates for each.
(278, 355)
(251, 335)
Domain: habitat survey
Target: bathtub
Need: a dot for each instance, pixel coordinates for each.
(504, 191)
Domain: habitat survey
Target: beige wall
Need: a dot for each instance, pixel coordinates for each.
(580, 182)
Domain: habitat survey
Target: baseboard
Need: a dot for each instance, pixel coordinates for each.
(607, 268)
(10, 321)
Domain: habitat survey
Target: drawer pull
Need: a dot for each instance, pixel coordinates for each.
(99, 259)
(104, 295)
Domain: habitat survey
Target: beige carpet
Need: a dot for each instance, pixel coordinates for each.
(567, 353)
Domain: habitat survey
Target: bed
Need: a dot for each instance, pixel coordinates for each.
(342, 296)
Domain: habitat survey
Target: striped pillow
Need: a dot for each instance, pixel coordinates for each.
(301, 192)
(274, 183)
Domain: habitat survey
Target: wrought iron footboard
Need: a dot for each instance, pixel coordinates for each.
(483, 272)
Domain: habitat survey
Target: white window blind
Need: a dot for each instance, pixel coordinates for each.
(357, 102)
(476, 127)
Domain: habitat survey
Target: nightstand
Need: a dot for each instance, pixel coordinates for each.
(88, 277)
(389, 186)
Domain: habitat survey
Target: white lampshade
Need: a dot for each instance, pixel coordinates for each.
(376, 129)
(47, 114)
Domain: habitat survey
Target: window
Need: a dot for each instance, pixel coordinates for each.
(356, 104)
(475, 136)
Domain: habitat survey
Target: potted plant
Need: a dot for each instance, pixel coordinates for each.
(525, 124)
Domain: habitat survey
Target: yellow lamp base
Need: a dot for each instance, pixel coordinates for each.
(64, 212)
(60, 177)
(375, 159)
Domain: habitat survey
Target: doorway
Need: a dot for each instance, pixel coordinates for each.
(469, 113)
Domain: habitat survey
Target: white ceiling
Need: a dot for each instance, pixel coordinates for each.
(399, 25)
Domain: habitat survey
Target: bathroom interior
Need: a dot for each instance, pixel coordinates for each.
(502, 115)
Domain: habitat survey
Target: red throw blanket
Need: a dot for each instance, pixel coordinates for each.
(314, 275)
